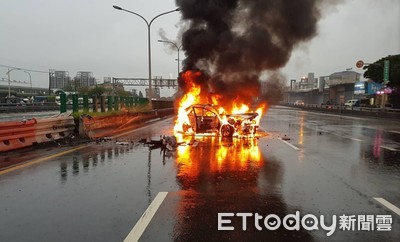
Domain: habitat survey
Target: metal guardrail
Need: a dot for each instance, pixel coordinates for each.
(109, 103)
(355, 111)
(35, 107)
(341, 107)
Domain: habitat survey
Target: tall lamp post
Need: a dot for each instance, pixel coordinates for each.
(148, 23)
(30, 79)
(178, 48)
(9, 80)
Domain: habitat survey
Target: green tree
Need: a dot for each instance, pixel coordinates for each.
(69, 88)
(83, 90)
(123, 93)
(374, 71)
(97, 91)
(140, 94)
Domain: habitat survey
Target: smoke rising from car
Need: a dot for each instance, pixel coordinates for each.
(234, 41)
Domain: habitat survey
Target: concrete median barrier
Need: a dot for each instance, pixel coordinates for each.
(102, 126)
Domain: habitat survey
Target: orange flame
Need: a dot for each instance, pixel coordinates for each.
(195, 95)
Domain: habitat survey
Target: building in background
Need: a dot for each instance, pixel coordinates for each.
(155, 94)
(85, 79)
(341, 86)
(336, 88)
(59, 79)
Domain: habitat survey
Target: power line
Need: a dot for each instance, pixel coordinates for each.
(24, 69)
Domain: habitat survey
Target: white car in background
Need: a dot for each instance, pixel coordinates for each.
(299, 103)
(351, 103)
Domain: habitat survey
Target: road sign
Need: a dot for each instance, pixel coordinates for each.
(360, 64)
(386, 71)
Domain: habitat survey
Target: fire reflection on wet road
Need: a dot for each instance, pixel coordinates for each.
(100, 191)
(224, 175)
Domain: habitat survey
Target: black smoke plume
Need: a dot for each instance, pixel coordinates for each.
(234, 41)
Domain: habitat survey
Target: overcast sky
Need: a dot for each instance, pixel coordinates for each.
(89, 35)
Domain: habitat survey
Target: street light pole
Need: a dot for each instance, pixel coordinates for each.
(9, 80)
(178, 48)
(30, 79)
(148, 23)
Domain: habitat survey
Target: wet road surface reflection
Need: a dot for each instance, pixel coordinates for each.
(224, 175)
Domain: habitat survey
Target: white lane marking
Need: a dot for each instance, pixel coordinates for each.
(355, 139)
(394, 131)
(388, 205)
(294, 147)
(388, 148)
(141, 225)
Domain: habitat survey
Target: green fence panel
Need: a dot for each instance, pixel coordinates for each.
(110, 103)
(102, 104)
(116, 103)
(86, 103)
(126, 102)
(75, 104)
(63, 103)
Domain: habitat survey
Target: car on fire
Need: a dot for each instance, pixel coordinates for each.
(206, 119)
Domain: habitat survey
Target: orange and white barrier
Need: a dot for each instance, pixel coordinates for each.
(54, 128)
(18, 134)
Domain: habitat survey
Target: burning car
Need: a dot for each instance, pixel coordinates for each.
(208, 119)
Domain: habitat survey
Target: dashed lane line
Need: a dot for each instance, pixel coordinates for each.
(394, 131)
(388, 148)
(289, 144)
(141, 225)
(388, 205)
(355, 139)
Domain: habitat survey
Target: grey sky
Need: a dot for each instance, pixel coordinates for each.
(90, 35)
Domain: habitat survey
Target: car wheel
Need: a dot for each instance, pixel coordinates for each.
(227, 130)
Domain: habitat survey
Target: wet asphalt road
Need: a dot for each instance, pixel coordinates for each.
(332, 166)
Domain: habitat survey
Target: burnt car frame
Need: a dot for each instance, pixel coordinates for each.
(205, 119)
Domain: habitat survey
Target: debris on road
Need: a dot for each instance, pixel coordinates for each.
(165, 143)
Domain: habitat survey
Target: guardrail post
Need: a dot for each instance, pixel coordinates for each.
(110, 103)
(127, 102)
(85, 103)
(121, 103)
(103, 103)
(63, 103)
(95, 105)
(75, 105)
(116, 103)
